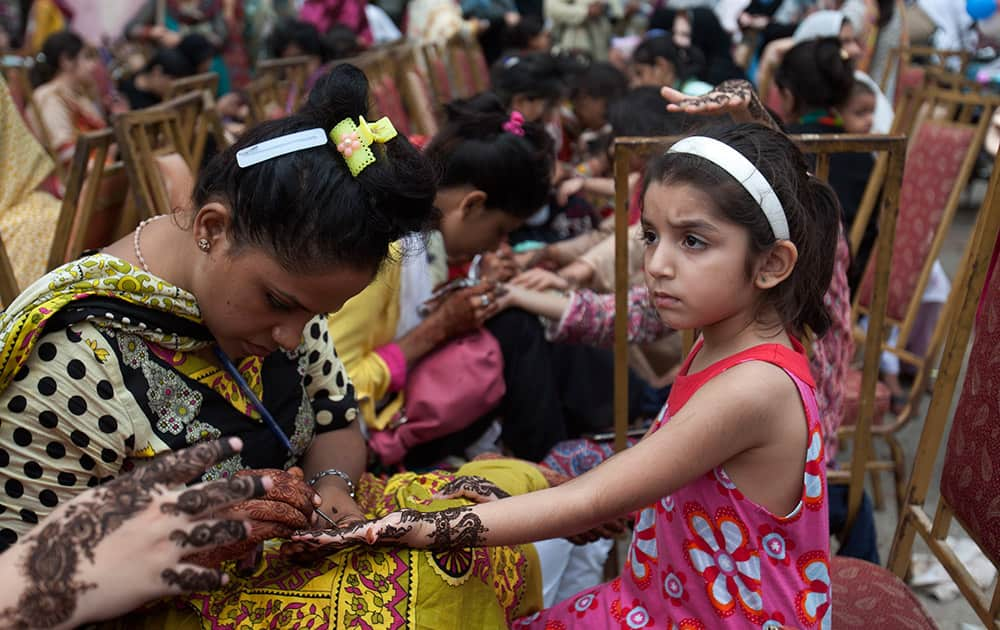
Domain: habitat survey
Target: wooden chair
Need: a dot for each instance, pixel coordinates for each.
(914, 62)
(265, 99)
(157, 159)
(434, 56)
(93, 208)
(967, 484)
(195, 83)
(417, 96)
(464, 79)
(290, 71)
(941, 157)
(198, 120)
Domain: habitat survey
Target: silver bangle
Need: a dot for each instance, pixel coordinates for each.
(336, 473)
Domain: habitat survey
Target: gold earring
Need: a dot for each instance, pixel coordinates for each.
(204, 245)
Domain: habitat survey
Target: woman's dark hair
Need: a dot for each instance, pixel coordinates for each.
(519, 36)
(305, 208)
(600, 80)
(196, 48)
(817, 73)
(810, 206)
(290, 31)
(532, 75)
(56, 46)
(710, 56)
(658, 47)
(643, 112)
(474, 149)
(172, 62)
(340, 42)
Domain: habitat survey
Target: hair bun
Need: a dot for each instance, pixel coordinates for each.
(339, 94)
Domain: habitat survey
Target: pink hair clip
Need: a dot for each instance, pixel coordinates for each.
(349, 144)
(513, 125)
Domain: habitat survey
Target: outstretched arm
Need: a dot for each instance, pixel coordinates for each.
(735, 97)
(741, 409)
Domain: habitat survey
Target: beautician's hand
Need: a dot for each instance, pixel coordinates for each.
(115, 547)
(735, 97)
(289, 505)
(465, 310)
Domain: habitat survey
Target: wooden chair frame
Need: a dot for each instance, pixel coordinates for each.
(142, 135)
(195, 83)
(89, 165)
(425, 118)
(198, 119)
(822, 146)
(913, 518)
(954, 105)
(902, 57)
(293, 71)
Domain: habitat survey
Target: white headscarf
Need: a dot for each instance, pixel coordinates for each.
(819, 24)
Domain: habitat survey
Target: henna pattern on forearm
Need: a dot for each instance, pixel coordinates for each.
(452, 527)
(474, 485)
(51, 565)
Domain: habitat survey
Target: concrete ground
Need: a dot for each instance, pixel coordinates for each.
(950, 615)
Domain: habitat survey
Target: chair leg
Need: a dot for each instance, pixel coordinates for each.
(876, 481)
(898, 470)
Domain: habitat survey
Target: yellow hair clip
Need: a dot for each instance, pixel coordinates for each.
(354, 140)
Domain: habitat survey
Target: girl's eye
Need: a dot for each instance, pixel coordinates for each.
(277, 304)
(648, 237)
(693, 242)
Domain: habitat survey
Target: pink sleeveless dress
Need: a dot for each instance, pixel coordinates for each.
(707, 557)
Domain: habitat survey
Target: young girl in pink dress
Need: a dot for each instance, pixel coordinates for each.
(729, 483)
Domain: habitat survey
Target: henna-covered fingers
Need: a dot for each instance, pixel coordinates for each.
(182, 466)
(210, 534)
(204, 499)
(193, 579)
(288, 487)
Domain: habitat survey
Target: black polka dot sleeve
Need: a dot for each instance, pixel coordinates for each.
(326, 380)
(63, 427)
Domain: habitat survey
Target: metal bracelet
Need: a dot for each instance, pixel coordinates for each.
(336, 473)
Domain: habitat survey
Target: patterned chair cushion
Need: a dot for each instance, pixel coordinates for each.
(971, 471)
(932, 167)
(866, 595)
(852, 399)
(390, 103)
(439, 76)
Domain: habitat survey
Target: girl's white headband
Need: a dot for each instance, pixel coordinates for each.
(743, 171)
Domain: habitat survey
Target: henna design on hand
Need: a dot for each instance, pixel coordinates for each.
(452, 527)
(475, 485)
(55, 548)
(193, 579)
(732, 92)
(210, 534)
(213, 495)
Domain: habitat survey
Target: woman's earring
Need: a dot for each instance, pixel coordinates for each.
(204, 245)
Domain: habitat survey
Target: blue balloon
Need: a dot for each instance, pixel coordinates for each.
(980, 9)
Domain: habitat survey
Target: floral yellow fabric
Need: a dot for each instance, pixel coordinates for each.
(385, 588)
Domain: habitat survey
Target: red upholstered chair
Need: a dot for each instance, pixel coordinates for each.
(868, 596)
(390, 103)
(940, 159)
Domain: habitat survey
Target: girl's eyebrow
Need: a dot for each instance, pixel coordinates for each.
(693, 224)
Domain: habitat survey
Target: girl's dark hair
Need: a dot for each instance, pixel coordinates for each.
(196, 48)
(860, 87)
(811, 208)
(56, 46)
(817, 73)
(600, 80)
(172, 62)
(303, 34)
(886, 9)
(519, 36)
(659, 47)
(473, 149)
(340, 42)
(305, 208)
(643, 112)
(532, 75)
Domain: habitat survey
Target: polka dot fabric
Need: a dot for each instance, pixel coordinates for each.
(62, 429)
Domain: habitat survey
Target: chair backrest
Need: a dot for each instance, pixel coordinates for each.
(940, 159)
(291, 71)
(463, 73)
(437, 70)
(914, 60)
(96, 191)
(416, 92)
(969, 473)
(195, 83)
(198, 119)
(157, 160)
